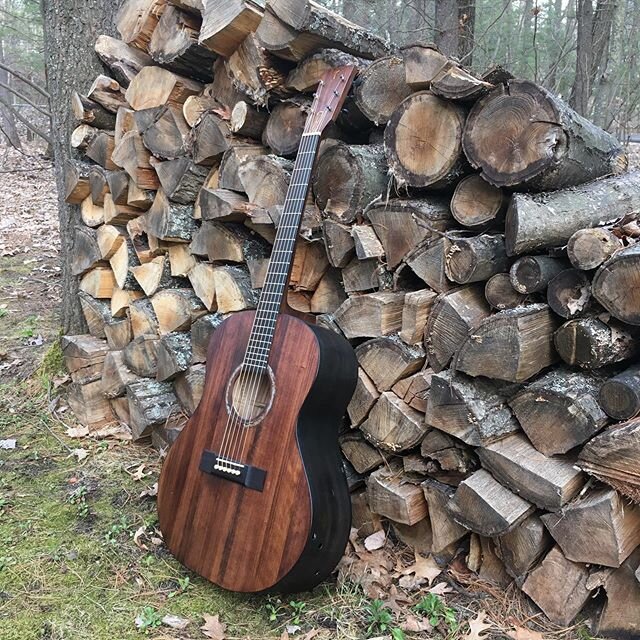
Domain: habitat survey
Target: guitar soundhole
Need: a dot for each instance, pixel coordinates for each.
(250, 395)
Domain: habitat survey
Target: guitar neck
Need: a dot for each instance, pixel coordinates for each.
(277, 279)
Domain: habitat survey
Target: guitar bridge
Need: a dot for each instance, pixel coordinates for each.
(216, 465)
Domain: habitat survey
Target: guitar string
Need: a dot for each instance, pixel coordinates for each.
(310, 147)
(267, 313)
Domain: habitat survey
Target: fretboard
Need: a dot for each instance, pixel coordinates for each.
(277, 278)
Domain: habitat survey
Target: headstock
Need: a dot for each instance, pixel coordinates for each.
(330, 96)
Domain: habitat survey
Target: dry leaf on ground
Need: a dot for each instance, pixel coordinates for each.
(77, 432)
(519, 633)
(423, 569)
(414, 624)
(81, 454)
(478, 626)
(175, 622)
(213, 628)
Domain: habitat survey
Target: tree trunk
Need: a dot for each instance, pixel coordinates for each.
(446, 27)
(70, 31)
(584, 55)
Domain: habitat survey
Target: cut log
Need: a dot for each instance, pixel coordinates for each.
(511, 345)
(195, 106)
(138, 198)
(98, 183)
(560, 410)
(445, 530)
(307, 75)
(181, 179)
(338, 242)
(137, 19)
(423, 142)
(125, 122)
(180, 260)
(233, 158)
(168, 220)
(456, 83)
(82, 136)
(542, 143)
(286, 123)
(615, 285)
(535, 221)
(164, 131)
(329, 294)
(121, 262)
(402, 224)
(388, 496)
(589, 248)
(134, 158)
(521, 548)
(151, 404)
(596, 528)
(141, 356)
(211, 138)
(310, 263)
(155, 275)
(76, 181)
(387, 360)
(118, 333)
(201, 332)
(473, 410)
(89, 112)
(233, 289)
(381, 88)
(226, 24)
(201, 277)
(86, 252)
(360, 453)
(484, 561)
(427, 261)
(265, 180)
(500, 294)
(415, 389)
(363, 399)
(174, 355)
(476, 259)
(392, 425)
(121, 301)
(143, 318)
(96, 314)
(477, 204)
(422, 64)
(453, 317)
(292, 29)
(569, 293)
(371, 315)
(363, 519)
(348, 178)
(484, 506)
(228, 243)
(591, 343)
(84, 357)
(176, 309)
(415, 312)
(531, 274)
(612, 457)
(174, 45)
(559, 587)
(89, 405)
(100, 150)
(548, 482)
(124, 62)
(619, 396)
(108, 93)
(116, 375)
(189, 387)
(118, 214)
(248, 121)
(98, 282)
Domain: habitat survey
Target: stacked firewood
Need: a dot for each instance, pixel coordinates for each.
(472, 235)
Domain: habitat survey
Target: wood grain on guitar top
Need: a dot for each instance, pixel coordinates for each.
(242, 539)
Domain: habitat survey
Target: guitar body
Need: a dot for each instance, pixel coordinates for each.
(288, 535)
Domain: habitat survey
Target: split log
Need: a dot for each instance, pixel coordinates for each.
(423, 142)
(473, 410)
(82, 136)
(116, 375)
(427, 261)
(484, 561)
(448, 460)
(107, 92)
(86, 252)
(141, 356)
(174, 355)
(174, 45)
(233, 289)
(500, 294)
(589, 248)
(456, 83)
(155, 275)
(137, 19)
(168, 220)
(138, 198)
(265, 180)
(164, 131)
(118, 333)
(100, 150)
(560, 410)
(211, 138)
(616, 285)
(96, 314)
(559, 587)
(143, 318)
(125, 122)
(124, 61)
(76, 181)
(363, 275)
(477, 204)
(89, 405)
(226, 24)
(98, 282)
(84, 357)
(387, 360)
(416, 536)
(176, 309)
(121, 301)
(228, 242)
(381, 88)
(476, 259)
(511, 345)
(201, 277)
(307, 75)
(223, 88)
(181, 179)
(360, 453)
(371, 315)
(189, 387)
(292, 29)
(619, 396)
(201, 332)
(484, 506)
(569, 293)
(180, 260)
(392, 425)
(388, 496)
(338, 243)
(118, 214)
(248, 121)
(415, 312)
(402, 224)
(98, 183)
(535, 221)
(591, 343)
(363, 519)
(121, 262)
(422, 64)
(521, 548)
(155, 87)
(548, 482)
(195, 107)
(330, 294)
(134, 158)
(286, 123)
(612, 457)
(310, 263)
(453, 317)
(445, 530)
(363, 399)
(348, 178)
(542, 143)
(532, 274)
(152, 403)
(89, 112)
(596, 528)
(232, 159)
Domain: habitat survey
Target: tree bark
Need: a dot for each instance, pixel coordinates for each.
(70, 29)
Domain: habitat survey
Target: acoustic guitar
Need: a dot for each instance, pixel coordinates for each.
(252, 495)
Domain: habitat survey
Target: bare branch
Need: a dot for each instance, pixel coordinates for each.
(24, 79)
(32, 127)
(27, 100)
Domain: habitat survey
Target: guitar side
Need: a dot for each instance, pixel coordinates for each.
(290, 534)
